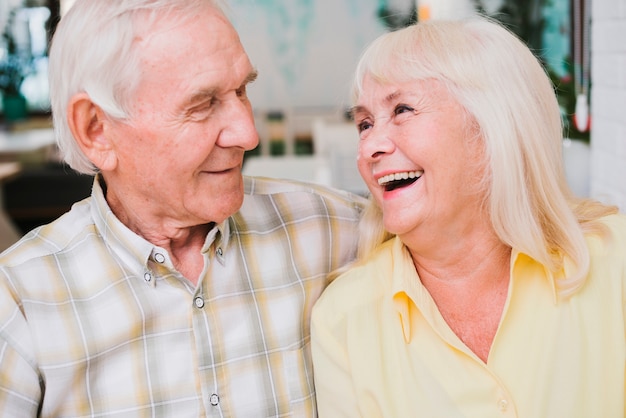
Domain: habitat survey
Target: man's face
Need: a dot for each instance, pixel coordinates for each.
(179, 157)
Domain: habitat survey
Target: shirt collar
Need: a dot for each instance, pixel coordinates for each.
(132, 249)
(218, 239)
(521, 263)
(406, 288)
(408, 293)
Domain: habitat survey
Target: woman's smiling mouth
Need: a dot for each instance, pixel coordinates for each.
(400, 179)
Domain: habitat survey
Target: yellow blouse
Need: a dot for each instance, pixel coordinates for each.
(382, 349)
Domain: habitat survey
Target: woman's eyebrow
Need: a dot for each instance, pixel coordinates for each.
(251, 77)
(355, 109)
(360, 109)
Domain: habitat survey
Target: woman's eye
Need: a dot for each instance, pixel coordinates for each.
(361, 126)
(402, 109)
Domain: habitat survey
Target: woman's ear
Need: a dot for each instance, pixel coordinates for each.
(90, 127)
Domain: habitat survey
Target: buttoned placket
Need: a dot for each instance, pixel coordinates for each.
(149, 275)
(216, 253)
(198, 299)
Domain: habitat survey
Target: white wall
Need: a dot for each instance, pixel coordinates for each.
(305, 51)
(608, 102)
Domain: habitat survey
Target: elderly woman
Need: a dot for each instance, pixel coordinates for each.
(485, 287)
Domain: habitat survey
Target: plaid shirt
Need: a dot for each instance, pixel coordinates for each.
(95, 320)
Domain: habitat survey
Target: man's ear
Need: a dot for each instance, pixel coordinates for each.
(90, 127)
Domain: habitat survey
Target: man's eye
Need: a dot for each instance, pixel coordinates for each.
(202, 109)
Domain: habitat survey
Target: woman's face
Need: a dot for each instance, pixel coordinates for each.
(421, 158)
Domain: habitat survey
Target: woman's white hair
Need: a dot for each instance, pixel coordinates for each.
(94, 51)
(503, 86)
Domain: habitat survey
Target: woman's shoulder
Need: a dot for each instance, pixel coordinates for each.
(607, 247)
(615, 221)
(613, 231)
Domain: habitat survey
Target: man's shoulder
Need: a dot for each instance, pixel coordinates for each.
(60, 235)
(264, 186)
(289, 196)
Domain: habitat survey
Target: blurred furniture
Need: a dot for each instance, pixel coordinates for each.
(17, 150)
(41, 193)
(44, 188)
(292, 167)
(333, 163)
(28, 146)
(336, 145)
(9, 233)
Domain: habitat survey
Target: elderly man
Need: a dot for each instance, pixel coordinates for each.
(179, 288)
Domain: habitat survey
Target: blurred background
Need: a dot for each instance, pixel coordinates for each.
(306, 51)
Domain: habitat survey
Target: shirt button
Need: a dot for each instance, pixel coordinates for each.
(147, 277)
(214, 399)
(160, 258)
(503, 405)
(219, 251)
(199, 302)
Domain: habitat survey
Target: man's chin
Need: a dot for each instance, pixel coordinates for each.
(225, 205)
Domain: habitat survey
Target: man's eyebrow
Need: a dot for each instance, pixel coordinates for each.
(202, 96)
(207, 94)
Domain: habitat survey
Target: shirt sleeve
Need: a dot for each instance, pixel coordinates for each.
(335, 393)
(19, 385)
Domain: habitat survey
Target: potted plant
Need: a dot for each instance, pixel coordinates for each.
(14, 67)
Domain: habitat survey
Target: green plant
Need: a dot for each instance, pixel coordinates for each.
(566, 94)
(528, 21)
(15, 66)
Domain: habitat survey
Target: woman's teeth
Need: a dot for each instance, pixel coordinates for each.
(405, 175)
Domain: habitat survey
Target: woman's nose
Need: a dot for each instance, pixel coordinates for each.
(376, 143)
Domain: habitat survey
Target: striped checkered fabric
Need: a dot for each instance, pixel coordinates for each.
(95, 321)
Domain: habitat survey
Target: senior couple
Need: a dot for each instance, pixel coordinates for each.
(471, 283)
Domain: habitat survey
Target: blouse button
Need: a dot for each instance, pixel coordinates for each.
(160, 258)
(503, 405)
(147, 277)
(199, 302)
(220, 252)
(214, 399)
